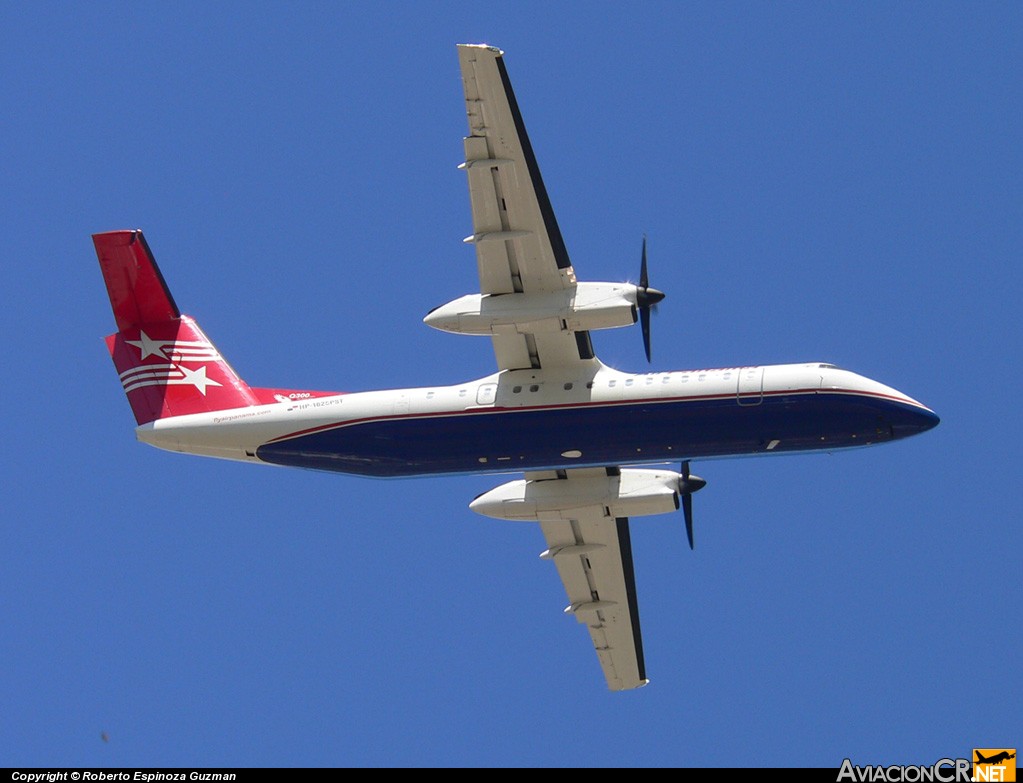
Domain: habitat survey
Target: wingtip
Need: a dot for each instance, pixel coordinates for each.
(488, 47)
(126, 235)
(621, 687)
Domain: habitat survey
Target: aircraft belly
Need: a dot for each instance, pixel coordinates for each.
(504, 440)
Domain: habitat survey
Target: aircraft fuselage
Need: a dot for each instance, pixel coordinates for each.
(526, 420)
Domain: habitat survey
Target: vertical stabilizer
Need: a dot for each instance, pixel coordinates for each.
(167, 366)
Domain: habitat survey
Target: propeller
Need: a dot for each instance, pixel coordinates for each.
(687, 485)
(646, 298)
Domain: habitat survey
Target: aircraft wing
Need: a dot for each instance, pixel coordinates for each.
(593, 554)
(519, 247)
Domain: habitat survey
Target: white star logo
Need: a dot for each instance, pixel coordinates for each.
(169, 369)
(148, 346)
(197, 378)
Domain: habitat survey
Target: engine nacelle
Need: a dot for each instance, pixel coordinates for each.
(589, 306)
(632, 493)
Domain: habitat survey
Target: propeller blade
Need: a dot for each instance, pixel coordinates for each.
(646, 299)
(644, 282)
(687, 509)
(644, 322)
(687, 486)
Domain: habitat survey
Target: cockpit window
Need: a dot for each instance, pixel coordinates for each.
(829, 366)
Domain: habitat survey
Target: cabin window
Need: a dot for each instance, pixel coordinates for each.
(628, 381)
(612, 383)
(534, 388)
(589, 384)
(516, 389)
(429, 395)
(461, 392)
(568, 387)
(703, 375)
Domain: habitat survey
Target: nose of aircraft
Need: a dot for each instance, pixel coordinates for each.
(913, 421)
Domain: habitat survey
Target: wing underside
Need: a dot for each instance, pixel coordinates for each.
(520, 251)
(593, 554)
(519, 247)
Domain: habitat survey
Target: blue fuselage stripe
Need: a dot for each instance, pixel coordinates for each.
(504, 440)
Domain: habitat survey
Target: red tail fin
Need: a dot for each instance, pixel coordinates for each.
(168, 367)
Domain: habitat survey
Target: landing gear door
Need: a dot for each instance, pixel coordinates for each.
(750, 389)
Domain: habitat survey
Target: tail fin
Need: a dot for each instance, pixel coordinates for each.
(168, 367)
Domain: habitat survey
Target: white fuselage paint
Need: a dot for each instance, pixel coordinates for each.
(236, 434)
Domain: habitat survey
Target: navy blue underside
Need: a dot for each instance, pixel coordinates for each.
(535, 439)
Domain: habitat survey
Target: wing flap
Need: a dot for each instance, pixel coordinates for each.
(493, 262)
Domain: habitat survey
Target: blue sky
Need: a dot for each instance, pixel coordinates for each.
(834, 182)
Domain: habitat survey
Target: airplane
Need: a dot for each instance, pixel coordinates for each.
(998, 758)
(595, 445)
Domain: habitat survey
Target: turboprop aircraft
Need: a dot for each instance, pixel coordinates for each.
(574, 427)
